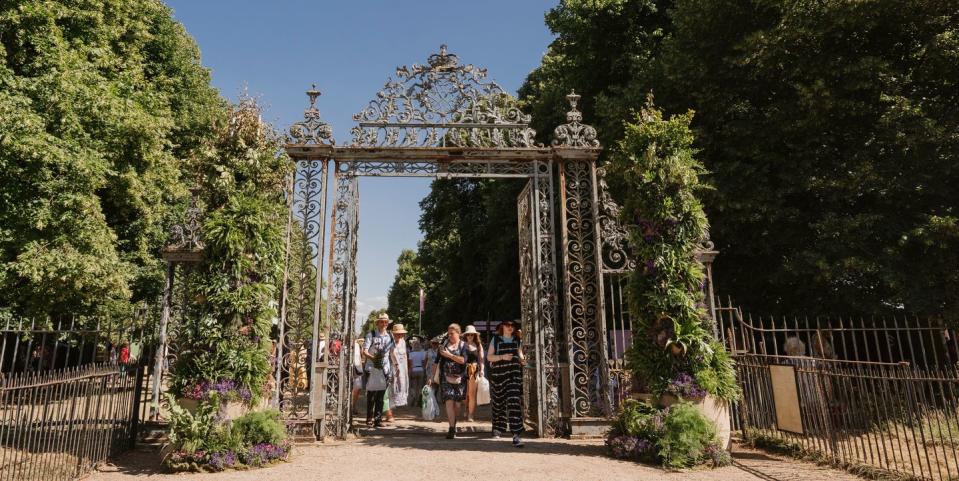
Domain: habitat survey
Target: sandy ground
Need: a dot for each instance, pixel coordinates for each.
(416, 450)
(410, 454)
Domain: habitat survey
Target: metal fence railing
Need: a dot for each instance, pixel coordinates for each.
(58, 425)
(870, 416)
(876, 396)
(71, 395)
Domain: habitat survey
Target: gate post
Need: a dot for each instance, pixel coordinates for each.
(576, 150)
(297, 352)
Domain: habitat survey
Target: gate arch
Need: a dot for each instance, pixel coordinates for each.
(444, 119)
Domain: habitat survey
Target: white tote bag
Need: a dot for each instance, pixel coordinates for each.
(376, 381)
(482, 390)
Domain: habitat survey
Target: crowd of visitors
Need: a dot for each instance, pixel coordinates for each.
(453, 369)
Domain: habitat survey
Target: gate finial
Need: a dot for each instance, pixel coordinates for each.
(312, 129)
(574, 133)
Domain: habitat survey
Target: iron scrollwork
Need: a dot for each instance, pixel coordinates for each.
(188, 235)
(616, 253)
(341, 305)
(442, 104)
(582, 288)
(303, 267)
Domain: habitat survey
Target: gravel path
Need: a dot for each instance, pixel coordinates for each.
(417, 450)
(415, 456)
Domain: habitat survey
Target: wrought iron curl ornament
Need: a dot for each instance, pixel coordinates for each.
(442, 104)
(574, 133)
(312, 129)
(617, 256)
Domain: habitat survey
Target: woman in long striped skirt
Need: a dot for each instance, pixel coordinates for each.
(506, 382)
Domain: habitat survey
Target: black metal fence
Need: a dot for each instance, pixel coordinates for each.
(70, 395)
(879, 396)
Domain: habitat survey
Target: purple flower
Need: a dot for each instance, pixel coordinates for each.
(622, 447)
(685, 386)
(641, 447)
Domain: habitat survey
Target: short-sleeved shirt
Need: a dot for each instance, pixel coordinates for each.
(417, 358)
(379, 343)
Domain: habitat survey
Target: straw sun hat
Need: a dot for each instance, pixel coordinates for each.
(398, 329)
(382, 317)
(470, 330)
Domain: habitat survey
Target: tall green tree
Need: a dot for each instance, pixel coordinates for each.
(827, 129)
(101, 104)
(403, 298)
(469, 256)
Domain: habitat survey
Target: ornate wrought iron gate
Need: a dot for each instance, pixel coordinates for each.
(444, 120)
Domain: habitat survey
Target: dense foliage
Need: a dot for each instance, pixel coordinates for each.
(235, 289)
(467, 262)
(828, 130)
(101, 104)
(657, 175)
(676, 437)
(403, 297)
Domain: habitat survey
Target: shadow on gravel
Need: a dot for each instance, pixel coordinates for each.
(414, 439)
(135, 463)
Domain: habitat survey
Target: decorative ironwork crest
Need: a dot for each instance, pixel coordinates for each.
(442, 104)
(187, 236)
(312, 129)
(574, 133)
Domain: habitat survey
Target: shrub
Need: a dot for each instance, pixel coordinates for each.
(687, 436)
(260, 427)
(674, 437)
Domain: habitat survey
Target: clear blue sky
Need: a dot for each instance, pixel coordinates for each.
(276, 49)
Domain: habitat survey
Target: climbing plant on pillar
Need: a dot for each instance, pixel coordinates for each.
(242, 179)
(225, 344)
(657, 176)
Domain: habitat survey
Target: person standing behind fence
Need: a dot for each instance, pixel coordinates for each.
(506, 382)
(379, 353)
(474, 368)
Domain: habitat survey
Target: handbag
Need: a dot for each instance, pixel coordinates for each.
(453, 371)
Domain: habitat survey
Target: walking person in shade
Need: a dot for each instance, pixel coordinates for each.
(452, 375)
(506, 358)
(379, 354)
(474, 368)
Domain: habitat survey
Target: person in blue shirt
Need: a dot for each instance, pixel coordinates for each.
(379, 354)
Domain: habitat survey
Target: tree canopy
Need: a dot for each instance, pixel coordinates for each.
(102, 105)
(828, 128)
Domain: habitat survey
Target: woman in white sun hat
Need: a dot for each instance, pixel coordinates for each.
(475, 359)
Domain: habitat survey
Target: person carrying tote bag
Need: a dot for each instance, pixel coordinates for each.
(475, 361)
(451, 371)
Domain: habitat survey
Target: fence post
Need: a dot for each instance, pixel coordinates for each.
(135, 410)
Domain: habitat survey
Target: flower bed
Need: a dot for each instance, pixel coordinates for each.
(677, 436)
(257, 455)
(202, 440)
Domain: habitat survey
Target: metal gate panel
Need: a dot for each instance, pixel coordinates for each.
(532, 388)
(333, 404)
(301, 296)
(546, 309)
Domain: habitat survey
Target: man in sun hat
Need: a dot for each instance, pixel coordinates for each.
(379, 354)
